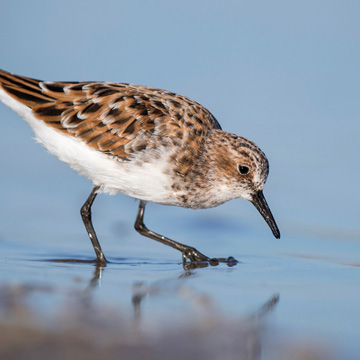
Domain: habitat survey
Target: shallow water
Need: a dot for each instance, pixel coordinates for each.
(297, 297)
(283, 74)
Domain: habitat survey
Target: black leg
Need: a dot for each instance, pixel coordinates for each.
(86, 216)
(187, 252)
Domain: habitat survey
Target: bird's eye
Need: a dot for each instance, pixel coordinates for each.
(243, 169)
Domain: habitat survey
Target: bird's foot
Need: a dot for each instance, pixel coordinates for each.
(193, 259)
(192, 254)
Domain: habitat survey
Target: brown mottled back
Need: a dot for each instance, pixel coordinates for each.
(117, 119)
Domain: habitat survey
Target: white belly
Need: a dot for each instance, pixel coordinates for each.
(146, 181)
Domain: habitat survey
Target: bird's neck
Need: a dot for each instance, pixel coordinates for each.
(196, 177)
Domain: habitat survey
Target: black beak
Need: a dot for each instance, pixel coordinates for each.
(260, 203)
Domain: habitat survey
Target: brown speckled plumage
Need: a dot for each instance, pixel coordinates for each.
(144, 142)
(117, 119)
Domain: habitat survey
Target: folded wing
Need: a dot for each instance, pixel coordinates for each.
(117, 119)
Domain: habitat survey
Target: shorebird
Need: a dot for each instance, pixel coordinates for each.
(147, 143)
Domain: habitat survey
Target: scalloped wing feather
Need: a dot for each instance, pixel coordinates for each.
(117, 119)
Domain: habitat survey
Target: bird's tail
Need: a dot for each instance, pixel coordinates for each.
(24, 90)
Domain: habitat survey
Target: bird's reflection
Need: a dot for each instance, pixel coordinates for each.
(244, 336)
(212, 328)
(207, 330)
(93, 284)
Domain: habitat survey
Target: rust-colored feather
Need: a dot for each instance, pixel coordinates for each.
(116, 119)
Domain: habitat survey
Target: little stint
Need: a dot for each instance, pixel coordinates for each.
(147, 143)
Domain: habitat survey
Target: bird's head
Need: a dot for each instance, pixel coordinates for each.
(243, 169)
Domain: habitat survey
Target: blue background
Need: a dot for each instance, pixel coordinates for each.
(284, 74)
